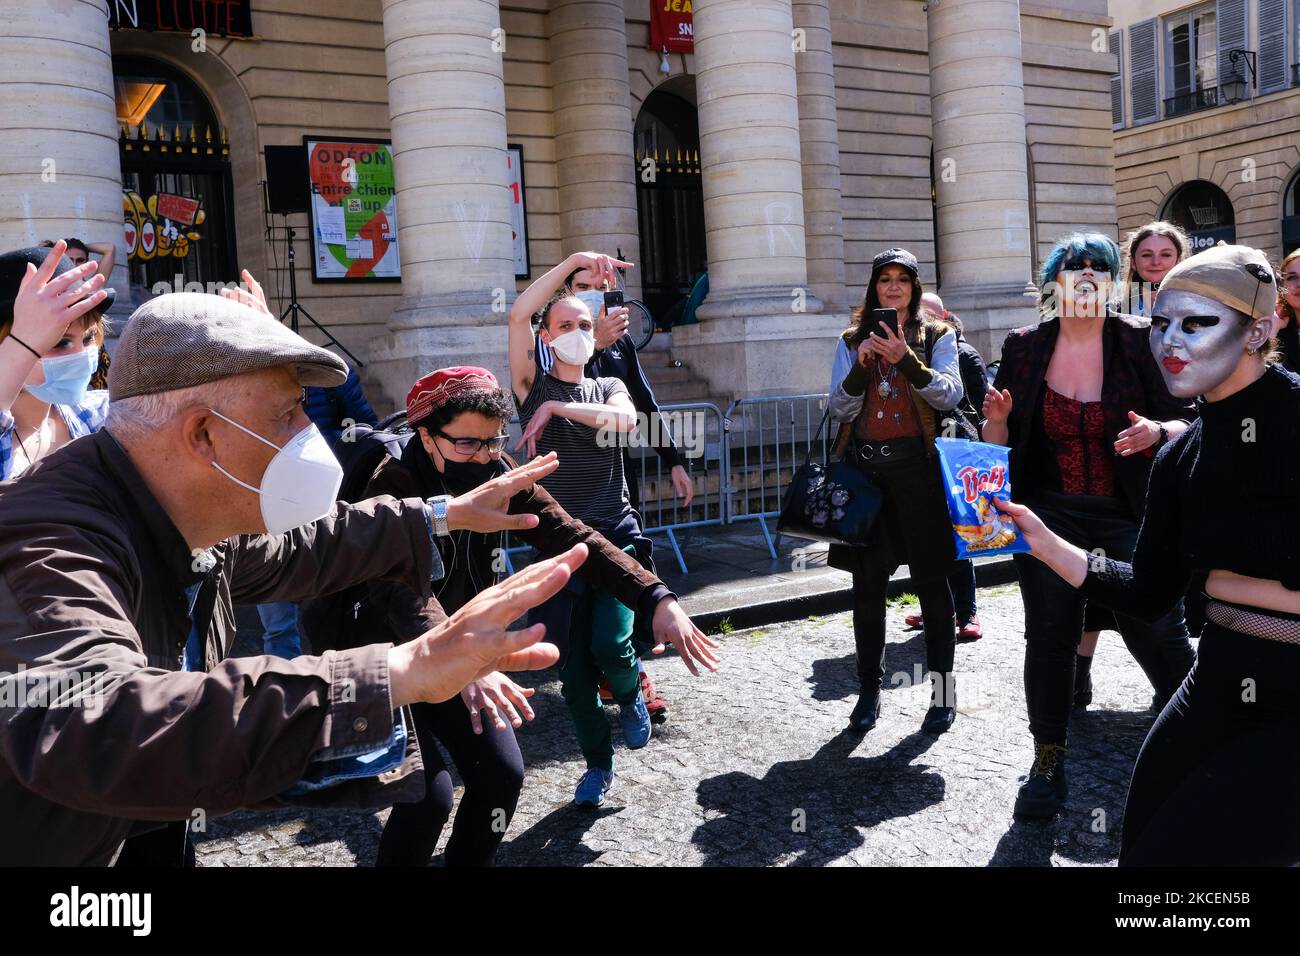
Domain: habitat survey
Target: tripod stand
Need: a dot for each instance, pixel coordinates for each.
(295, 308)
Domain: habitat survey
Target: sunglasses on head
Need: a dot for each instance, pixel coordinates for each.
(470, 446)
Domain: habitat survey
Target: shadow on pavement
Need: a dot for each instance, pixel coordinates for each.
(1102, 749)
(832, 794)
(836, 678)
(555, 839)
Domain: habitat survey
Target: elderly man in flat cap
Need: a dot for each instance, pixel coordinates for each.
(122, 554)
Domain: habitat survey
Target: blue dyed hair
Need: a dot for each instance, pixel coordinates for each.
(1101, 249)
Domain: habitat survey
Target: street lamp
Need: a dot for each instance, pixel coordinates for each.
(1234, 89)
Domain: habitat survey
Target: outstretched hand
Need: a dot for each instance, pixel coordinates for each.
(47, 304)
(474, 642)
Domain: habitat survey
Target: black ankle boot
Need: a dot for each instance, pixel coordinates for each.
(865, 711)
(943, 704)
(1082, 681)
(1044, 791)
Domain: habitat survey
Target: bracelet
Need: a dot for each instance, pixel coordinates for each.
(438, 509)
(24, 345)
(1164, 435)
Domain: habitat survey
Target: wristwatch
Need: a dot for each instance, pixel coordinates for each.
(1164, 435)
(438, 510)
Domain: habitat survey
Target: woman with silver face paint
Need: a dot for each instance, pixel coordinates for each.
(1081, 404)
(1216, 780)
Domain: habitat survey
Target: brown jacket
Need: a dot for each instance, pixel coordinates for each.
(93, 577)
(607, 567)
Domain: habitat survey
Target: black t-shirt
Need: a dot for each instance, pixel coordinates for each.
(1223, 495)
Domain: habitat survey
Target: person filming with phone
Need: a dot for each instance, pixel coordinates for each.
(895, 371)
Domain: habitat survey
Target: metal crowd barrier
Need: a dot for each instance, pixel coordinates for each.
(696, 426)
(766, 440)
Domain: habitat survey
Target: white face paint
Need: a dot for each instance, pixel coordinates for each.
(1083, 289)
(1197, 341)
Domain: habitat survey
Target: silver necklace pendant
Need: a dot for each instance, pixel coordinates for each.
(883, 389)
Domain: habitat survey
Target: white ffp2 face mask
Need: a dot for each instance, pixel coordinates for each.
(300, 484)
(576, 347)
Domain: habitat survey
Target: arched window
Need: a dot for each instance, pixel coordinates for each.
(177, 211)
(670, 204)
(1203, 211)
(1291, 215)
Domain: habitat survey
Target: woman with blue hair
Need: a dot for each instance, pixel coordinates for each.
(1082, 405)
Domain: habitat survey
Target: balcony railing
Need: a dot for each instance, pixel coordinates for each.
(1191, 101)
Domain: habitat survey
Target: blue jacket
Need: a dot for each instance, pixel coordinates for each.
(330, 408)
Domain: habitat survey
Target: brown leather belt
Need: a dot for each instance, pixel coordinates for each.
(1253, 623)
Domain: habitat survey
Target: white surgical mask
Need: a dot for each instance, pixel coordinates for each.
(576, 347)
(300, 484)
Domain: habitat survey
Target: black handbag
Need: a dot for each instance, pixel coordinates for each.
(835, 503)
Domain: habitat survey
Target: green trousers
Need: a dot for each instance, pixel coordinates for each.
(600, 641)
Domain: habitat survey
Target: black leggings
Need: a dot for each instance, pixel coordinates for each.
(1217, 779)
(493, 771)
(869, 593)
(1054, 613)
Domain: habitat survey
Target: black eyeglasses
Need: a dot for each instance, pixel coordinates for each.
(470, 446)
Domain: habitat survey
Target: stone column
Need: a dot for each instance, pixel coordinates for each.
(977, 106)
(60, 174)
(446, 102)
(761, 330)
(591, 103)
(820, 151)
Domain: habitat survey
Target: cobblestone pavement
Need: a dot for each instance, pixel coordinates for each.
(754, 769)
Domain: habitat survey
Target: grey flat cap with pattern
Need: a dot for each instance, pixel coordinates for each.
(190, 338)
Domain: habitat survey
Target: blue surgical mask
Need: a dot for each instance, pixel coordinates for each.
(66, 377)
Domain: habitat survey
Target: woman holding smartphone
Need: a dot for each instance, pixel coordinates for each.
(894, 371)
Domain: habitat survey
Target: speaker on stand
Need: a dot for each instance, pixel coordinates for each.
(285, 191)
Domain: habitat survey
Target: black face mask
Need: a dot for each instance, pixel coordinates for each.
(463, 476)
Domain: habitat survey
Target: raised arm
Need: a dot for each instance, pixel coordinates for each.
(43, 309)
(533, 299)
(107, 252)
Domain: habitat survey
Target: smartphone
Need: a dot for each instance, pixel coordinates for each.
(613, 300)
(888, 316)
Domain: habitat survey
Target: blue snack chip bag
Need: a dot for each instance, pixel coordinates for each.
(974, 472)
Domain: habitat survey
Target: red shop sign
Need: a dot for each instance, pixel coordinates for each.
(671, 26)
(180, 209)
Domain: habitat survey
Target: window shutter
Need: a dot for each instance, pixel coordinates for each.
(1272, 45)
(1143, 88)
(1230, 24)
(1117, 80)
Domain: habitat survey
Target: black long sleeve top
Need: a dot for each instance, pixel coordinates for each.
(1223, 495)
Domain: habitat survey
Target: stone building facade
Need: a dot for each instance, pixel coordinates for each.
(972, 132)
(1206, 112)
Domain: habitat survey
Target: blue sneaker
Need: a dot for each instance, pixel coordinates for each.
(635, 719)
(592, 787)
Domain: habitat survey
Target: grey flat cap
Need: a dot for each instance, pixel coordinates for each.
(191, 338)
